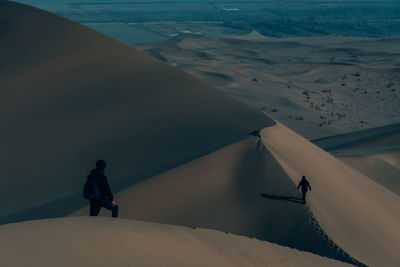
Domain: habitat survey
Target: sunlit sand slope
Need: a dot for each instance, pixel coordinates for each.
(382, 168)
(98, 242)
(70, 95)
(222, 191)
(373, 141)
(373, 152)
(361, 216)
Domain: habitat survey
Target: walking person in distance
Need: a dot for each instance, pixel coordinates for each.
(305, 185)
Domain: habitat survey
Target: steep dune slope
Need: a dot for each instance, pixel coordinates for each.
(374, 152)
(382, 168)
(69, 95)
(109, 242)
(361, 216)
(239, 189)
(373, 141)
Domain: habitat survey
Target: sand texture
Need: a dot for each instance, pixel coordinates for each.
(239, 189)
(86, 241)
(317, 86)
(373, 152)
(219, 191)
(360, 216)
(380, 140)
(382, 168)
(70, 95)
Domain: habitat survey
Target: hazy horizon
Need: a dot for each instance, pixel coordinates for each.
(151, 21)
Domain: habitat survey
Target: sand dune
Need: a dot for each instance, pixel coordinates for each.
(219, 191)
(380, 140)
(317, 86)
(88, 242)
(252, 36)
(373, 152)
(361, 216)
(382, 168)
(70, 95)
(222, 191)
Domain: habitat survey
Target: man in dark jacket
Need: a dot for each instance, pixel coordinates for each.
(104, 197)
(304, 187)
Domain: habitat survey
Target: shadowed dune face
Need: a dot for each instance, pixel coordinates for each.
(104, 242)
(69, 95)
(361, 216)
(239, 189)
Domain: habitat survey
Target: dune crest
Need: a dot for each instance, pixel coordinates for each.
(382, 168)
(240, 189)
(361, 216)
(70, 95)
(87, 241)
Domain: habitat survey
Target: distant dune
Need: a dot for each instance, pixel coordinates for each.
(360, 215)
(317, 86)
(252, 36)
(70, 95)
(382, 168)
(85, 242)
(373, 141)
(373, 152)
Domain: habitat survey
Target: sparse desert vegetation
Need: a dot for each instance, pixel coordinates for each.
(297, 78)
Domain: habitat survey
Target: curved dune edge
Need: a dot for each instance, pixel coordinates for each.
(362, 217)
(379, 140)
(70, 95)
(86, 241)
(382, 168)
(239, 189)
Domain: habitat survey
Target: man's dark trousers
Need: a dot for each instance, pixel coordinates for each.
(97, 204)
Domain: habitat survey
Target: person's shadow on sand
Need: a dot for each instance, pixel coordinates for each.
(286, 198)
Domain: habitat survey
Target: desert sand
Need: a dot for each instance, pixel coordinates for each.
(318, 86)
(373, 141)
(103, 241)
(70, 95)
(239, 189)
(373, 152)
(182, 154)
(360, 215)
(220, 191)
(382, 168)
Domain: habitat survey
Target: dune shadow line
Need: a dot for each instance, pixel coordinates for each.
(286, 198)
